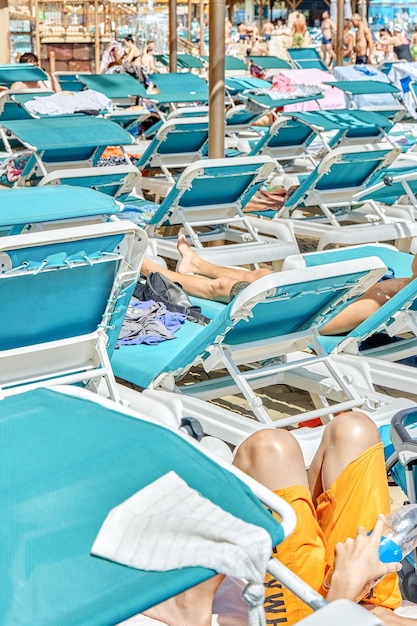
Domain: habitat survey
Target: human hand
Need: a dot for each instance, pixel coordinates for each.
(357, 566)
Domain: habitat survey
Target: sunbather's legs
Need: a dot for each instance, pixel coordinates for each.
(195, 285)
(357, 312)
(349, 466)
(209, 281)
(191, 608)
(192, 262)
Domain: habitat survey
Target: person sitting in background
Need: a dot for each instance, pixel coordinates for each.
(148, 61)
(132, 51)
(387, 49)
(112, 57)
(398, 41)
(50, 84)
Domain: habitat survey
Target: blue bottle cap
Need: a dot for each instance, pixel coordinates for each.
(389, 551)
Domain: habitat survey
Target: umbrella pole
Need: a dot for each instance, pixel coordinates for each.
(340, 28)
(216, 78)
(172, 35)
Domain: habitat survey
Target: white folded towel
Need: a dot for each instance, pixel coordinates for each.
(167, 525)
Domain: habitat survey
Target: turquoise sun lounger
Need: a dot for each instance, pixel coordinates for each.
(118, 87)
(346, 126)
(269, 62)
(177, 143)
(208, 200)
(185, 61)
(67, 151)
(232, 65)
(27, 209)
(382, 97)
(396, 318)
(306, 59)
(89, 457)
(65, 293)
(329, 204)
(21, 72)
(254, 337)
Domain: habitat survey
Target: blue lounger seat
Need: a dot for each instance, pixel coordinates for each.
(71, 459)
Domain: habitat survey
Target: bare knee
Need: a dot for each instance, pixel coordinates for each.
(352, 428)
(273, 457)
(259, 273)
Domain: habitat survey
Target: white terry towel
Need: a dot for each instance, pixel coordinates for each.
(167, 525)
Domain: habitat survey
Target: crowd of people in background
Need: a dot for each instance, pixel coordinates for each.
(360, 45)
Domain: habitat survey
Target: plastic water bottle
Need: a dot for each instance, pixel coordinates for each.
(399, 538)
(399, 535)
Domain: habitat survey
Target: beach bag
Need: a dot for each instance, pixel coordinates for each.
(159, 288)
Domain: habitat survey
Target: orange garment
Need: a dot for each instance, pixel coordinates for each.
(355, 499)
(116, 151)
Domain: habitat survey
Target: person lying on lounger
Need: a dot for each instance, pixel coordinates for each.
(337, 501)
(203, 279)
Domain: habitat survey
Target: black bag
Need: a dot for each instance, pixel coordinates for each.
(160, 289)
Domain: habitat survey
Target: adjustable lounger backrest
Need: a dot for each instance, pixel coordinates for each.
(286, 138)
(306, 58)
(178, 139)
(186, 83)
(114, 86)
(64, 295)
(387, 185)
(70, 461)
(398, 265)
(270, 62)
(68, 139)
(69, 81)
(298, 299)
(22, 72)
(240, 118)
(214, 186)
(349, 125)
(42, 208)
(236, 85)
(115, 181)
(341, 173)
(12, 105)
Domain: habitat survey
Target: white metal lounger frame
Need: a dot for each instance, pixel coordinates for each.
(277, 361)
(126, 177)
(82, 358)
(251, 239)
(373, 222)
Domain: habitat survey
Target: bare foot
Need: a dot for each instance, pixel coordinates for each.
(187, 264)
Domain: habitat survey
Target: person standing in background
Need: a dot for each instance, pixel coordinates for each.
(328, 34)
(364, 45)
(299, 29)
